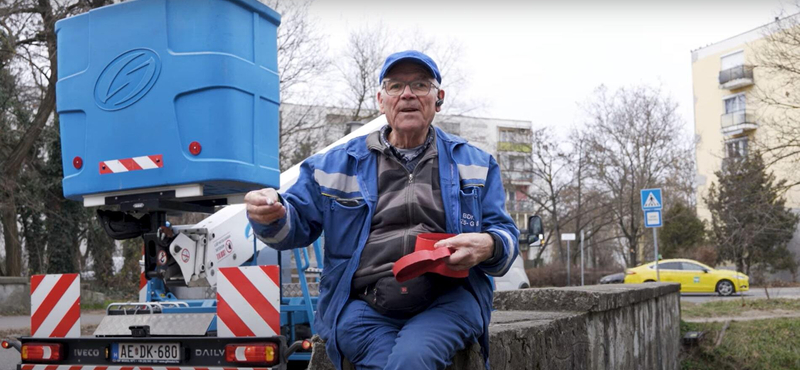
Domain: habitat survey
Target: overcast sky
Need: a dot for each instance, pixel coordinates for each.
(536, 60)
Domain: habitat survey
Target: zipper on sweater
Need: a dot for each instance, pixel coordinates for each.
(407, 247)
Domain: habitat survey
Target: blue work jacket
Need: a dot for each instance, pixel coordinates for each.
(473, 198)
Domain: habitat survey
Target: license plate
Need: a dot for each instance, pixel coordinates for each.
(154, 353)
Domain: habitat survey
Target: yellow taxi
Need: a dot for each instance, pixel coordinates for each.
(693, 276)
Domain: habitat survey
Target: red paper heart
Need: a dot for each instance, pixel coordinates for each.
(426, 258)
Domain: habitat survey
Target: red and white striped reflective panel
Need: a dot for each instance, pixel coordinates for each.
(55, 306)
(142, 282)
(146, 162)
(248, 301)
(129, 367)
(142, 288)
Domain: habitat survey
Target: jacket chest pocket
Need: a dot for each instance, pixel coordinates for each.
(470, 217)
(343, 223)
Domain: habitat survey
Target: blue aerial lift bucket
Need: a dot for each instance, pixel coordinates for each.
(158, 93)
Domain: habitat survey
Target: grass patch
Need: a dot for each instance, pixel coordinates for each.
(16, 333)
(749, 345)
(735, 307)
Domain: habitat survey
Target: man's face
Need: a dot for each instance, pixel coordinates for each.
(408, 113)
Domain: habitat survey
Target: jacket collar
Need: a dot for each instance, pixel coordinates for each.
(358, 147)
(447, 137)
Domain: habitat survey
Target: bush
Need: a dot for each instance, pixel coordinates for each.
(706, 254)
(555, 275)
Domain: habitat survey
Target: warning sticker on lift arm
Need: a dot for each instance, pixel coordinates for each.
(162, 258)
(223, 247)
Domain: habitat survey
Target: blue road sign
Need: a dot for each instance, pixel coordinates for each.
(651, 199)
(652, 218)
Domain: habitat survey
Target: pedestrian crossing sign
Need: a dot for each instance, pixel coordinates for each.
(651, 199)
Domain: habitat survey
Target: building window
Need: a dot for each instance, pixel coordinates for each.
(518, 163)
(516, 169)
(450, 127)
(511, 195)
(732, 60)
(735, 104)
(736, 148)
(336, 118)
(514, 162)
(514, 135)
(514, 139)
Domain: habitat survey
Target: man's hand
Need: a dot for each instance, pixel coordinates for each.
(470, 250)
(263, 206)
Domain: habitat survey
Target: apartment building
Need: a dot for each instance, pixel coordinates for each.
(728, 115)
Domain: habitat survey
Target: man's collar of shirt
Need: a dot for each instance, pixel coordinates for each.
(405, 155)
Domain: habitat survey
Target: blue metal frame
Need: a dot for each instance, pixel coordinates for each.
(294, 310)
(300, 310)
(157, 291)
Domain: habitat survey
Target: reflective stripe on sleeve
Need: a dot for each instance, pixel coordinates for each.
(282, 233)
(336, 181)
(511, 246)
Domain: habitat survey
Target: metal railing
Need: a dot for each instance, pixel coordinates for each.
(523, 176)
(735, 73)
(519, 205)
(737, 118)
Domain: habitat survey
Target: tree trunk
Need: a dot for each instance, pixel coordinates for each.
(633, 252)
(743, 266)
(11, 238)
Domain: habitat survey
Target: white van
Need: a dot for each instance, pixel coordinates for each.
(515, 278)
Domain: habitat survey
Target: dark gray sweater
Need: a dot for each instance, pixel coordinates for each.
(409, 203)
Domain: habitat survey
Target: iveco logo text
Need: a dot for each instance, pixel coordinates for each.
(209, 352)
(127, 79)
(87, 352)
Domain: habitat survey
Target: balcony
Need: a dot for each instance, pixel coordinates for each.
(517, 177)
(736, 77)
(507, 146)
(519, 206)
(736, 123)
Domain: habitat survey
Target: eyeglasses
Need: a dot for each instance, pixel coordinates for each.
(419, 87)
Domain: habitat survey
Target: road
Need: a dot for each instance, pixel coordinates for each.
(20, 325)
(756, 293)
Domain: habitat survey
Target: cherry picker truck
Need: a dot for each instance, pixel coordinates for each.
(168, 107)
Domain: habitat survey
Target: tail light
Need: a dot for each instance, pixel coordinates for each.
(41, 352)
(5, 344)
(262, 353)
(630, 272)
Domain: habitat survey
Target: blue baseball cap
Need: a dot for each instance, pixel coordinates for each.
(411, 56)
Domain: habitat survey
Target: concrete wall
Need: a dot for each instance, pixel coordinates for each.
(15, 298)
(611, 327)
(594, 327)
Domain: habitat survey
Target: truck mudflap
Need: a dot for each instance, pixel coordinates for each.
(153, 353)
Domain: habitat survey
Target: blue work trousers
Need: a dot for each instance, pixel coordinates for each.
(428, 340)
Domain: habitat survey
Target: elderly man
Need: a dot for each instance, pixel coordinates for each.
(372, 196)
